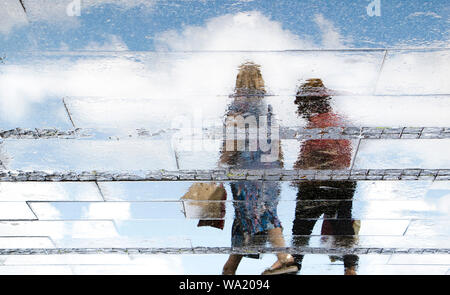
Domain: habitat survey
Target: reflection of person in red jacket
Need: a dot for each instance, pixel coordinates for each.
(333, 199)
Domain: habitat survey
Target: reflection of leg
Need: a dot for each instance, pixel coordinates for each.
(345, 227)
(232, 264)
(276, 239)
(305, 219)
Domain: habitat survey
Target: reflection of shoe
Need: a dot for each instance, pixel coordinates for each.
(288, 266)
(284, 269)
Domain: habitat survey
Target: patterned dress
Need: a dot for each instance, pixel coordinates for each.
(255, 202)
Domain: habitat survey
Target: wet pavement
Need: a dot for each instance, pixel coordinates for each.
(318, 158)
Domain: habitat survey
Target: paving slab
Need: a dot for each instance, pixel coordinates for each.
(47, 191)
(16, 211)
(423, 259)
(25, 242)
(81, 155)
(58, 229)
(392, 154)
(401, 72)
(36, 270)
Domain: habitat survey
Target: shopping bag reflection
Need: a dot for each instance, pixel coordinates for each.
(206, 202)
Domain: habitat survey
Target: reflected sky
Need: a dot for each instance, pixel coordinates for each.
(120, 34)
(139, 72)
(248, 216)
(207, 264)
(156, 90)
(148, 25)
(391, 214)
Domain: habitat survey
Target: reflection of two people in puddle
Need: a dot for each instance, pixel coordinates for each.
(255, 202)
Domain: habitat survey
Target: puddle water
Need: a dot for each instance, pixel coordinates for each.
(241, 222)
(231, 91)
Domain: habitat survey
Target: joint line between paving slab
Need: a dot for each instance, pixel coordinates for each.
(223, 250)
(411, 174)
(100, 191)
(356, 153)
(68, 112)
(407, 227)
(31, 209)
(286, 133)
(23, 6)
(380, 71)
(176, 159)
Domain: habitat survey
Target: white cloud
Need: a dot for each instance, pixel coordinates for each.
(173, 75)
(15, 210)
(90, 230)
(59, 230)
(107, 264)
(46, 210)
(48, 191)
(241, 31)
(118, 211)
(199, 77)
(444, 204)
(421, 72)
(331, 38)
(14, 95)
(193, 79)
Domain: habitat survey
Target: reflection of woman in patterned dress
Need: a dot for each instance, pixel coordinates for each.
(338, 226)
(255, 202)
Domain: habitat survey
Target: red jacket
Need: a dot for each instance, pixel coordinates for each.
(325, 153)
